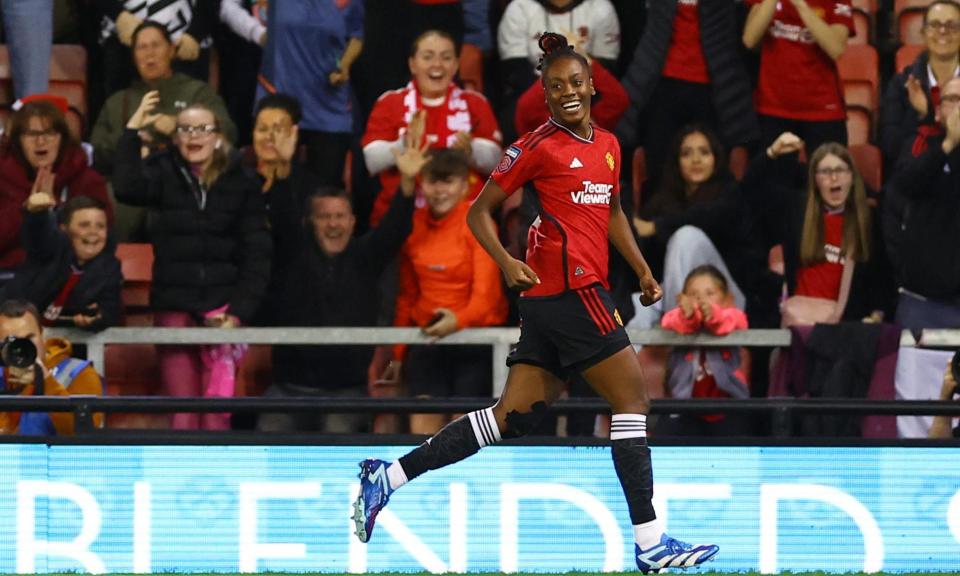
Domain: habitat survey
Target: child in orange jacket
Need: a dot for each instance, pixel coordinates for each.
(705, 304)
(447, 283)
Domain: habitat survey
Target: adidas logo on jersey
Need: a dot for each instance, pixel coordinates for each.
(578, 271)
(576, 163)
(592, 193)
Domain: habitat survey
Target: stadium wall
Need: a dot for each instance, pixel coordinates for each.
(150, 509)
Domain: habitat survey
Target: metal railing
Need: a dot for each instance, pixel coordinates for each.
(782, 411)
(499, 338)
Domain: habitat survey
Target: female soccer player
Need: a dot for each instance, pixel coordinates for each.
(569, 321)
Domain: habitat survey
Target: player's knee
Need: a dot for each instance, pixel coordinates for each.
(523, 423)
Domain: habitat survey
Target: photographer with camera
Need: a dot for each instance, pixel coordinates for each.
(942, 426)
(33, 366)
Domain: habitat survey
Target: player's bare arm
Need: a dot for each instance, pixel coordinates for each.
(519, 276)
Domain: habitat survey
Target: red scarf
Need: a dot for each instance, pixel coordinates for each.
(443, 121)
(924, 133)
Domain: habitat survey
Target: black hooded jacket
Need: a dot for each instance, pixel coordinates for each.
(50, 262)
(211, 247)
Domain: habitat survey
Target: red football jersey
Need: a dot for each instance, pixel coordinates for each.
(574, 181)
(797, 79)
(685, 59)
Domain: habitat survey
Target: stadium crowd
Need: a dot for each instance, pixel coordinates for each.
(311, 164)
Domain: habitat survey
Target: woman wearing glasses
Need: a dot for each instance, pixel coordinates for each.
(211, 245)
(835, 266)
(39, 155)
(914, 93)
(798, 89)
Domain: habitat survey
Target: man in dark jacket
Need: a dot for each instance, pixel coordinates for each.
(927, 231)
(334, 280)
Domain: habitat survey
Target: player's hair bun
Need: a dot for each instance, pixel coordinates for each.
(551, 42)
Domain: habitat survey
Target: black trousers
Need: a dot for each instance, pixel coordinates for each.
(326, 155)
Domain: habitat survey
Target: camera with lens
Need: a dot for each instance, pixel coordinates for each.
(17, 352)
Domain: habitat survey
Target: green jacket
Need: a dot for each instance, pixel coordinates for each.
(176, 93)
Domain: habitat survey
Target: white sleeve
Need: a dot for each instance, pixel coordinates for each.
(512, 33)
(240, 21)
(378, 155)
(485, 154)
(605, 35)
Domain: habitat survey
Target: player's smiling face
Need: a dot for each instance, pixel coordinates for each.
(568, 88)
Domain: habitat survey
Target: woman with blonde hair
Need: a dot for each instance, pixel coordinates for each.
(834, 260)
(211, 245)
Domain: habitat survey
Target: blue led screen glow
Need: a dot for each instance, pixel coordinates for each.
(150, 509)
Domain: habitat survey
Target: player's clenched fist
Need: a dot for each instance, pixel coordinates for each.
(519, 276)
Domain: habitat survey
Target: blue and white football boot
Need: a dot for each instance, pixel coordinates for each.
(672, 553)
(374, 494)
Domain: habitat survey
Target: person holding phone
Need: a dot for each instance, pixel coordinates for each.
(447, 282)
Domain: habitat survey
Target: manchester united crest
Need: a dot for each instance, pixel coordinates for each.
(610, 162)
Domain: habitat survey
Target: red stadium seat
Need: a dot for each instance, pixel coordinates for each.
(136, 262)
(908, 15)
(68, 63)
(869, 162)
(910, 28)
(862, 28)
(906, 54)
(901, 6)
(471, 67)
(68, 78)
(858, 126)
(860, 74)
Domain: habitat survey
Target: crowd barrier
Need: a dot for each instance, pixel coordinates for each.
(499, 338)
(780, 411)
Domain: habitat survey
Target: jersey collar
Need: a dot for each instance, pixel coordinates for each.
(588, 140)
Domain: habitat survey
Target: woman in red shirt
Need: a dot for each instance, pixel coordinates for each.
(820, 214)
(448, 117)
(799, 89)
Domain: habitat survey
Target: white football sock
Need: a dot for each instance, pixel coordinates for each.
(647, 535)
(396, 475)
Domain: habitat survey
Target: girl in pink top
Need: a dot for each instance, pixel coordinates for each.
(693, 372)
